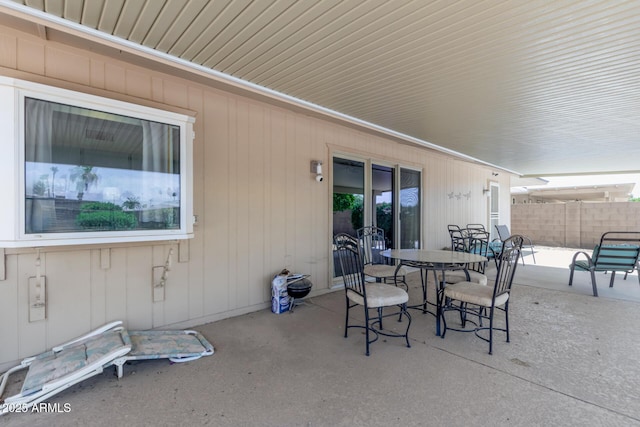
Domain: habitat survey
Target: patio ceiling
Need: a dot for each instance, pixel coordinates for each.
(536, 87)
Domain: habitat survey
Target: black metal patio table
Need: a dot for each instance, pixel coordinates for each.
(433, 260)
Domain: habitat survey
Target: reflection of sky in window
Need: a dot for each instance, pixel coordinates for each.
(154, 189)
(384, 197)
(408, 197)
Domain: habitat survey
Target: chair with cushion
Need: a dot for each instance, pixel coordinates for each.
(493, 247)
(371, 296)
(458, 238)
(478, 243)
(475, 303)
(481, 244)
(345, 239)
(476, 227)
(504, 234)
(617, 251)
(372, 242)
(342, 239)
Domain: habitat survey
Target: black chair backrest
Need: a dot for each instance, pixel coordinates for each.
(458, 238)
(507, 263)
(353, 274)
(478, 227)
(342, 239)
(478, 242)
(459, 241)
(372, 242)
(453, 227)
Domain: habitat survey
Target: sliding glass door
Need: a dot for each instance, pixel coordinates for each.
(348, 196)
(410, 207)
(382, 199)
(385, 196)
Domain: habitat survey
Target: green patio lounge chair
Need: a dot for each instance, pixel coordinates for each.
(617, 251)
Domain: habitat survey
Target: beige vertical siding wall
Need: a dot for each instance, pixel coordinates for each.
(259, 208)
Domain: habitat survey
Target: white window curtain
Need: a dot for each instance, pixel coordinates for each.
(157, 164)
(39, 212)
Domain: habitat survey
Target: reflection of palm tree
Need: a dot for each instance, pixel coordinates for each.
(132, 203)
(85, 178)
(54, 171)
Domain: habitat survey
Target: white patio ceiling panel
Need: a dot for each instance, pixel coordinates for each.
(538, 87)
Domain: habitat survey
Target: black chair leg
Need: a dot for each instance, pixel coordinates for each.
(346, 320)
(571, 267)
(491, 330)
(463, 314)
(506, 318)
(403, 309)
(613, 277)
(423, 282)
(367, 327)
(444, 324)
(593, 283)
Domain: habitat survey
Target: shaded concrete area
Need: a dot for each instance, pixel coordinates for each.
(551, 271)
(572, 360)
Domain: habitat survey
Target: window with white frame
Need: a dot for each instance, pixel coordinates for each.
(93, 170)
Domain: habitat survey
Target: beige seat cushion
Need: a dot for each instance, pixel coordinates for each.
(380, 295)
(473, 293)
(381, 270)
(73, 359)
(456, 276)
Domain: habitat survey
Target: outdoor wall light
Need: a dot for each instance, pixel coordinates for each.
(316, 167)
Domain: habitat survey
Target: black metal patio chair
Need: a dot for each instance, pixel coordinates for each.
(372, 242)
(475, 302)
(370, 296)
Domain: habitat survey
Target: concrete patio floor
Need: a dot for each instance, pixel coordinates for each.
(572, 360)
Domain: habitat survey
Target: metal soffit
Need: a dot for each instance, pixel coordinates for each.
(535, 87)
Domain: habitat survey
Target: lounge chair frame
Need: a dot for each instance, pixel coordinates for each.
(36, 392)
(75, 361)
(618, 251)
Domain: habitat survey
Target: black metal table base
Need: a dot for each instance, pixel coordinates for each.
(424, 269)
(425, 303)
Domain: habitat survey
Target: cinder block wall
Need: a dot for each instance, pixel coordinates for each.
(573, 224)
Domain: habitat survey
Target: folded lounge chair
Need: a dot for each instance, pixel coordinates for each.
(56, 370)
(177, 346)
